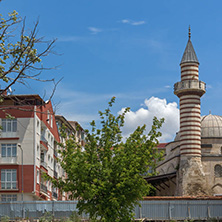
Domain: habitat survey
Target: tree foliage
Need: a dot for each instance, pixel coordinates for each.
(19, 58)
(106, 175)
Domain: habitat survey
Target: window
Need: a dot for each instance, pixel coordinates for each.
(42, 157)
(37, 124)
(218, 170)
(8, 179)
(9, 197)
(50, 186)
(9, 150)
(47, 116)
(9, 125)
(51, 121)
(38, 149)
(82, 136)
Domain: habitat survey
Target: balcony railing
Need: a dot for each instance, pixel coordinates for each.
(9, 134)
(43, 139)
(44, 188)
(12, 185)
(9, 160)
(54, 194)
(55, 174)
(44, 164)
(189, 85)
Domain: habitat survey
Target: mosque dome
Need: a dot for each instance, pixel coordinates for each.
(211, 126)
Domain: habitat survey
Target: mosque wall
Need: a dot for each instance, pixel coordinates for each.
(212, 166)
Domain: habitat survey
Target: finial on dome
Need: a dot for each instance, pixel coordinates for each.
(189, 34)
(209, 111)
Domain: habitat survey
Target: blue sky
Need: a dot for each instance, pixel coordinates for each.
(128, 49)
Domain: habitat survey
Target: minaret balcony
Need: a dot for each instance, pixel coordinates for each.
(190, 86)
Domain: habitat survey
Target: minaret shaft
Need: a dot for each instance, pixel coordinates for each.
(189, 90)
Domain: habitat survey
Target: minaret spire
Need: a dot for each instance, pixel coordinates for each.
(189, 34)
(189, 54)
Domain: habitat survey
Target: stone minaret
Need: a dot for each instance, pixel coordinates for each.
(189, 90)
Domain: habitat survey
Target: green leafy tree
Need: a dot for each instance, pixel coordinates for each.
(19, 58)
(106, 175)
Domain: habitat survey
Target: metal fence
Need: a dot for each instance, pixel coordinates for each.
(150, 209)
(179, 209)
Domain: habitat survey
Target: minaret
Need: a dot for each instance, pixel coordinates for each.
(189, 90)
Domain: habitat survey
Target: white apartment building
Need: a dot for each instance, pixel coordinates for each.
(28, 147)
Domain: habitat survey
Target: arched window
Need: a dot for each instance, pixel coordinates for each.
(218, 170)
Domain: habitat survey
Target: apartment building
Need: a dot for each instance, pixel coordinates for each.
(28, 147)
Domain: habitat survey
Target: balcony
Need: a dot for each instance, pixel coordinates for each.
(55, 195)
(9, 134)
(55, 153)
(44, 142)
(9, 160)
(189, 86)
(44, 164)
(5, 185)
(44, 188)
(55, 174)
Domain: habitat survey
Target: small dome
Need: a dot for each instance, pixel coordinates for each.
(211, 126)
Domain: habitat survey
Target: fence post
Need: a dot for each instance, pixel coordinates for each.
(53, 210)
(23, 210)
(188, 209)
(169, 210)
(208, 211)
(140, 211)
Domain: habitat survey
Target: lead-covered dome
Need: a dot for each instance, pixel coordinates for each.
(211, 126)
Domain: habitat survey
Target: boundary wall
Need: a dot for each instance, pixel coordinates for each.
(149, 209)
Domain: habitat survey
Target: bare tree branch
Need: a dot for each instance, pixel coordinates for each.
(54, 88)
(19, 57)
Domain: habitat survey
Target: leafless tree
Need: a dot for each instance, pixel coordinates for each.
(20, 60)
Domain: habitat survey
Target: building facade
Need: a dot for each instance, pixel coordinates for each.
(28, 147)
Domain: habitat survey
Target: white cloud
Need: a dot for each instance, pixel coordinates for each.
(125, 21)
(138, 23)
(94, 30)
(131, 22)
(154, 107)
(83, 107)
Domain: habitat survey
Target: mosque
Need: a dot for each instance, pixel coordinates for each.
(192, 164)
